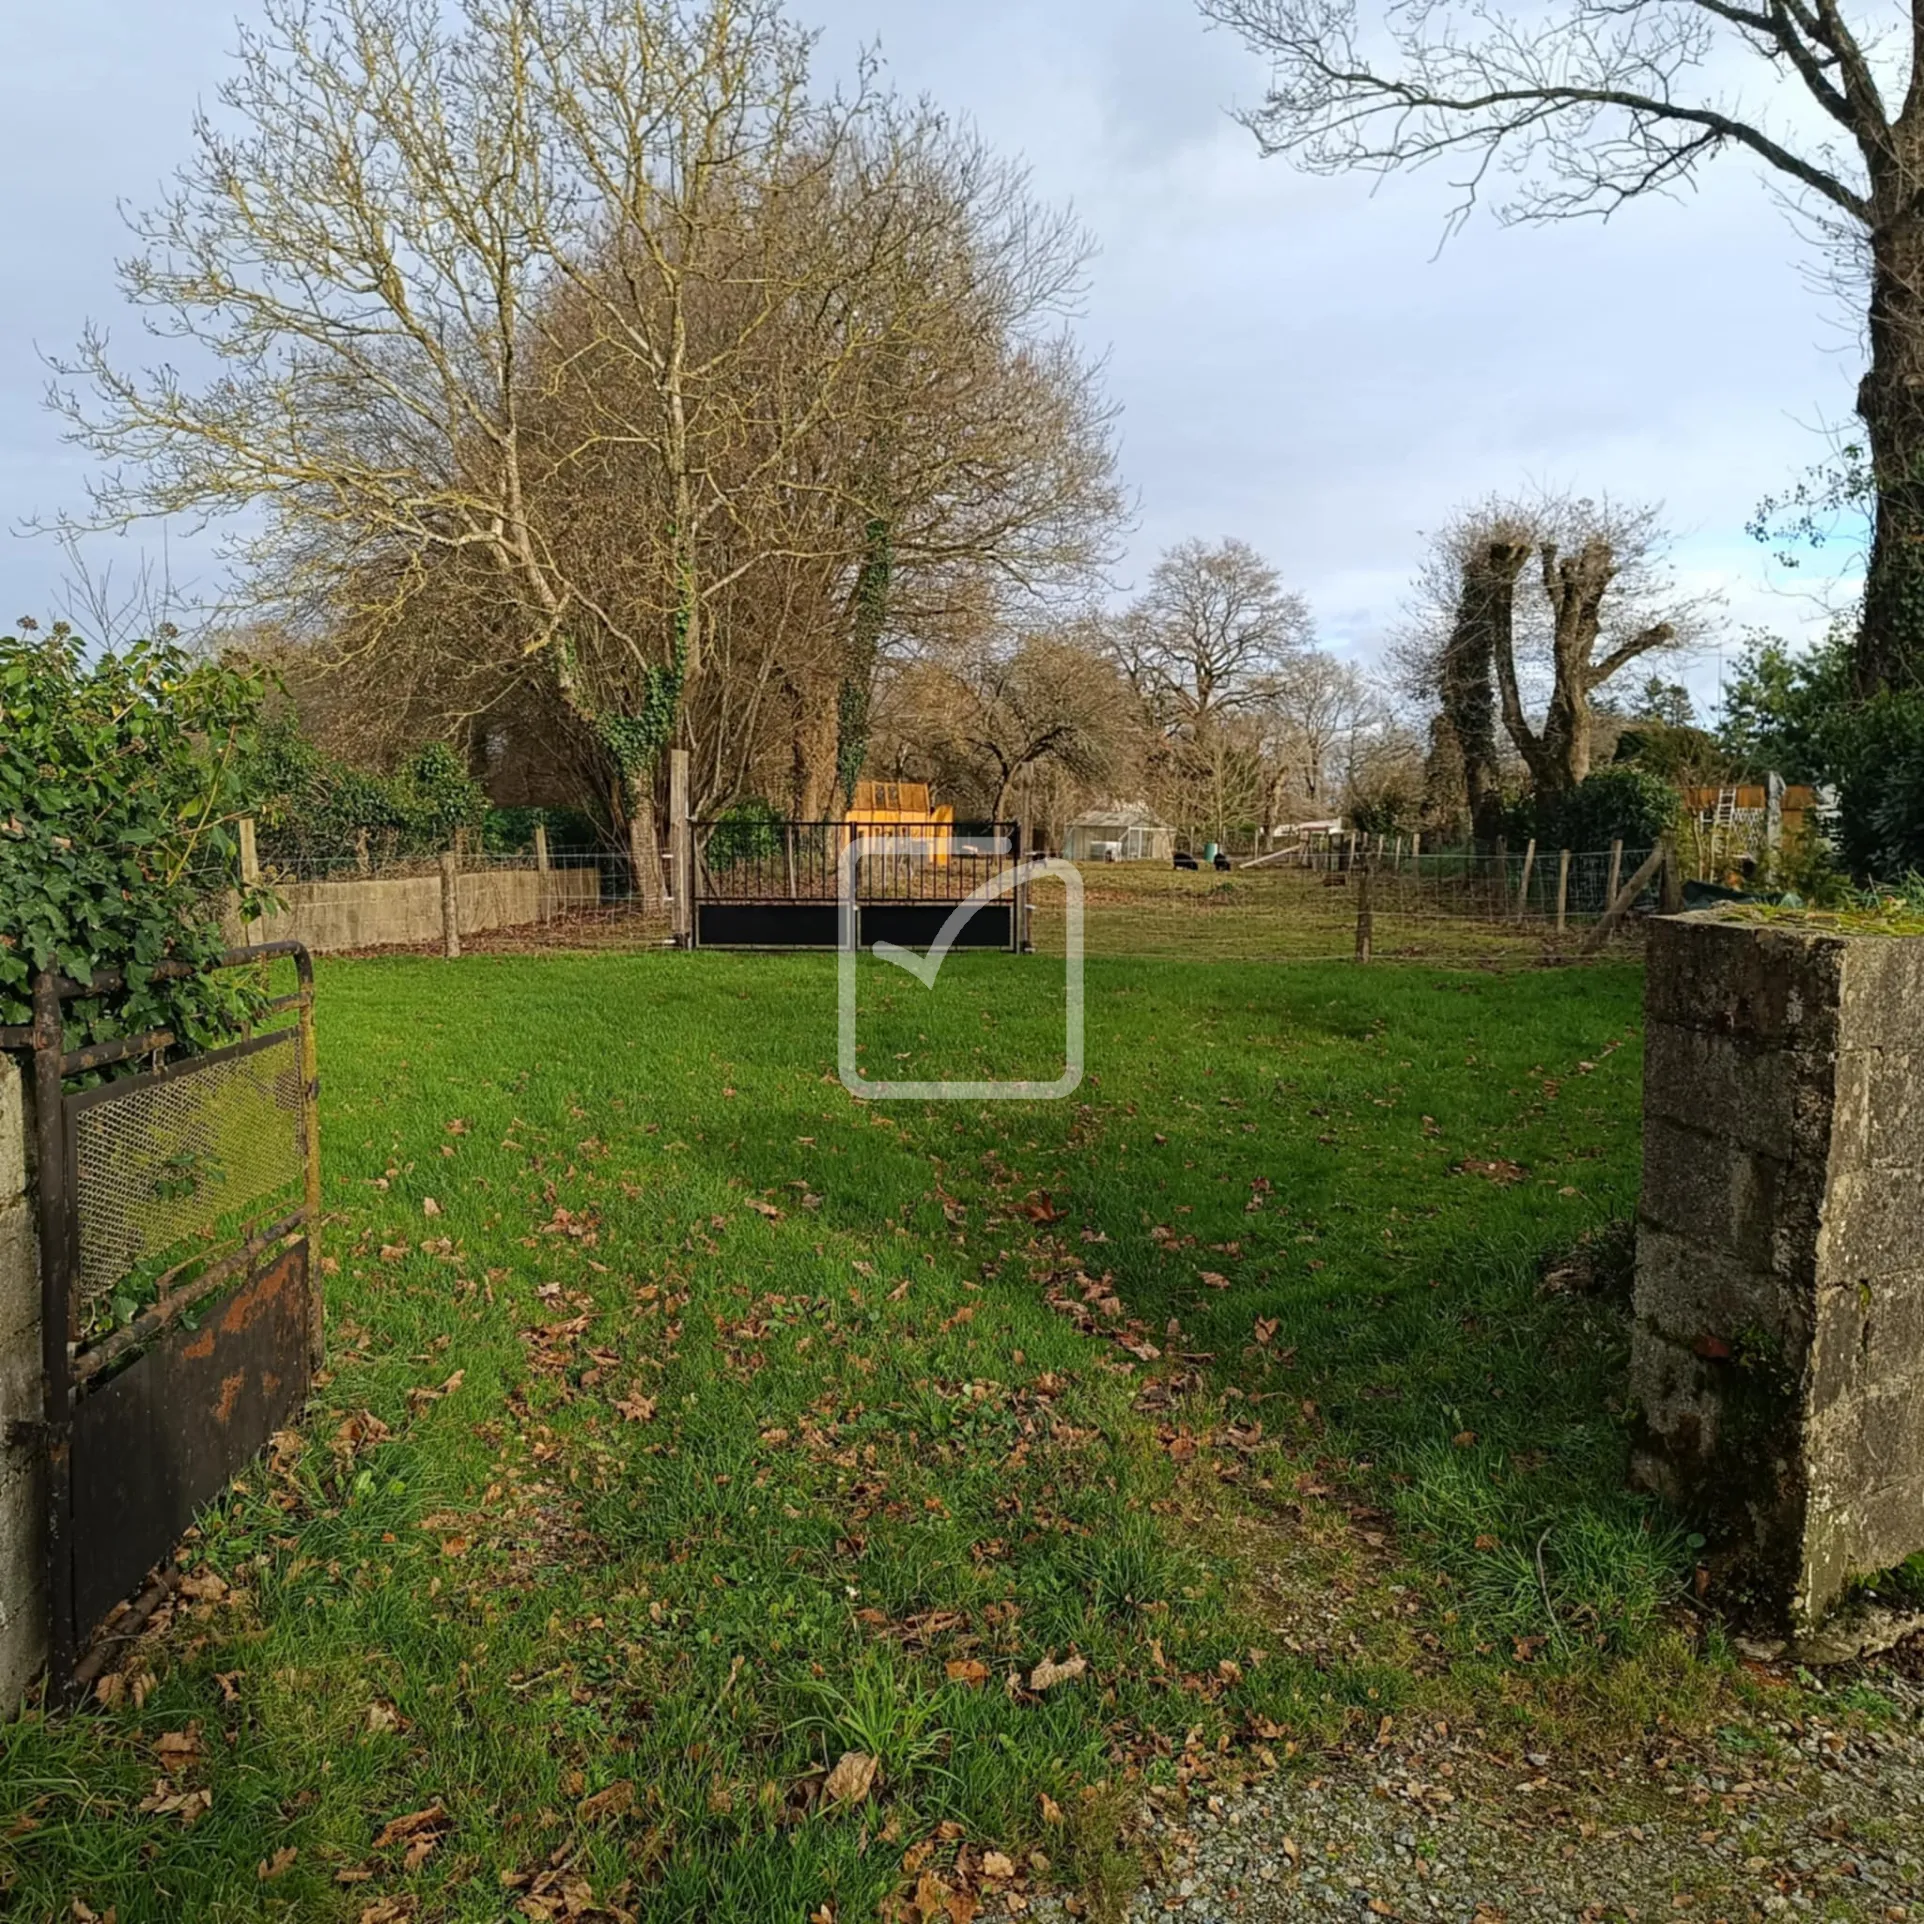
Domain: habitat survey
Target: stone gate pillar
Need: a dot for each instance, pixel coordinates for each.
(1778, 1356)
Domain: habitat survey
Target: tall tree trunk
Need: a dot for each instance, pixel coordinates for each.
(1478, 647)
(817, 726)
(868, 616)
(644, 844)
(1890, 399)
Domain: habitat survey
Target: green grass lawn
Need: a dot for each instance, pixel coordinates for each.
(690, 1428)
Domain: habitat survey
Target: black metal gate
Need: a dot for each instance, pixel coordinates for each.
(180, 1296)
(788, 885)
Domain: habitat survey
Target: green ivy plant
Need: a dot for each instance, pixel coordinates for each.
(316, 813)
(120, 783)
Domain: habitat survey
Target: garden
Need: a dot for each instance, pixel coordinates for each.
(727, 1499)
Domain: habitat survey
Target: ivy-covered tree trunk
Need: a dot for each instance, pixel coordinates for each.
(1486, 608)
(1890, 398)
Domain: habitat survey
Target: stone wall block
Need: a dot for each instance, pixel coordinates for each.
(1711, 1190)
(1722, 1083)
(1701, 1296)
(1778, 1350)
(1763, 984)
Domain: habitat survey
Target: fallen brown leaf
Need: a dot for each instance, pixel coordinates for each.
(851, 1779)
(1048, 1673)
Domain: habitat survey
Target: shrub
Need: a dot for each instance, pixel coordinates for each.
(748, 832)
(510, 831)
(1392, 806)
(119, 786)
(1877, 752)
(1622, 802)
(318, 813)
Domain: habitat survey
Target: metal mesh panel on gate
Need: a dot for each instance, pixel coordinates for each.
(185, 1161)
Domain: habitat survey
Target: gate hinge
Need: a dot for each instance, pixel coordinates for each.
(27, 1433)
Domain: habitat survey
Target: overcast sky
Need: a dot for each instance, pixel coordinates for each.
(1294, 361)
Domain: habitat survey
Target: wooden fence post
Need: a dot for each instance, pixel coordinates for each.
(1365, 916)
(1523, 891)
(1625, 900)
(681, 850)
(450, 905)
(1503, 874)
(250, 861)
(1563, 889)
(1616, 871)
(1672, 876)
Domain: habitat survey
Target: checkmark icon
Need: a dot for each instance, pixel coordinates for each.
(925, 967)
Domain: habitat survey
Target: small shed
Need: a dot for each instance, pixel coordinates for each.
(1119, 832)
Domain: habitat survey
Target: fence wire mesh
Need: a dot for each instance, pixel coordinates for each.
(1450, 905)
(183, 1164)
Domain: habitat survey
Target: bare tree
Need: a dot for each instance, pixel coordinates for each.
(1212, 626)
(1316, 715)
(1591, 103)
(550, 331)
(1005, 710)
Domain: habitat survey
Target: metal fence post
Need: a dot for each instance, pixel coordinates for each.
(450, 904)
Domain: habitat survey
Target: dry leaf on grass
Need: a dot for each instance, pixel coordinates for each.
(270, 1868)
(968, 1670)
(435, 1817)
(851, 1779)
(997, 1864)
(615, 1801)
(1048, 1673)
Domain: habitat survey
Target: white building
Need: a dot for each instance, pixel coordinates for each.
(1119, 832)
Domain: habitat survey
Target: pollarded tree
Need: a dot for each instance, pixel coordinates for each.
(1539, 603)
(1584, 104)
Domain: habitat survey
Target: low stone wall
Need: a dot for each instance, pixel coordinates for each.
(1778, 1357)
(23, 1609)
(403, 912)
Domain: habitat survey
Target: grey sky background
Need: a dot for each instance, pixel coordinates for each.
(1295, 363)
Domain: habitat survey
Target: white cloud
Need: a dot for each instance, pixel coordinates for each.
(1294, 365)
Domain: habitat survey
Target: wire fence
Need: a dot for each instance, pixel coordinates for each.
(1345, 898)
(1443, 906)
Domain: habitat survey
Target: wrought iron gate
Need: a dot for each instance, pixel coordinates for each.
(778, 885)
(180, 1296)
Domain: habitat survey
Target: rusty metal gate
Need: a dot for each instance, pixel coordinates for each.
(180, 1295)
(779, 885)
